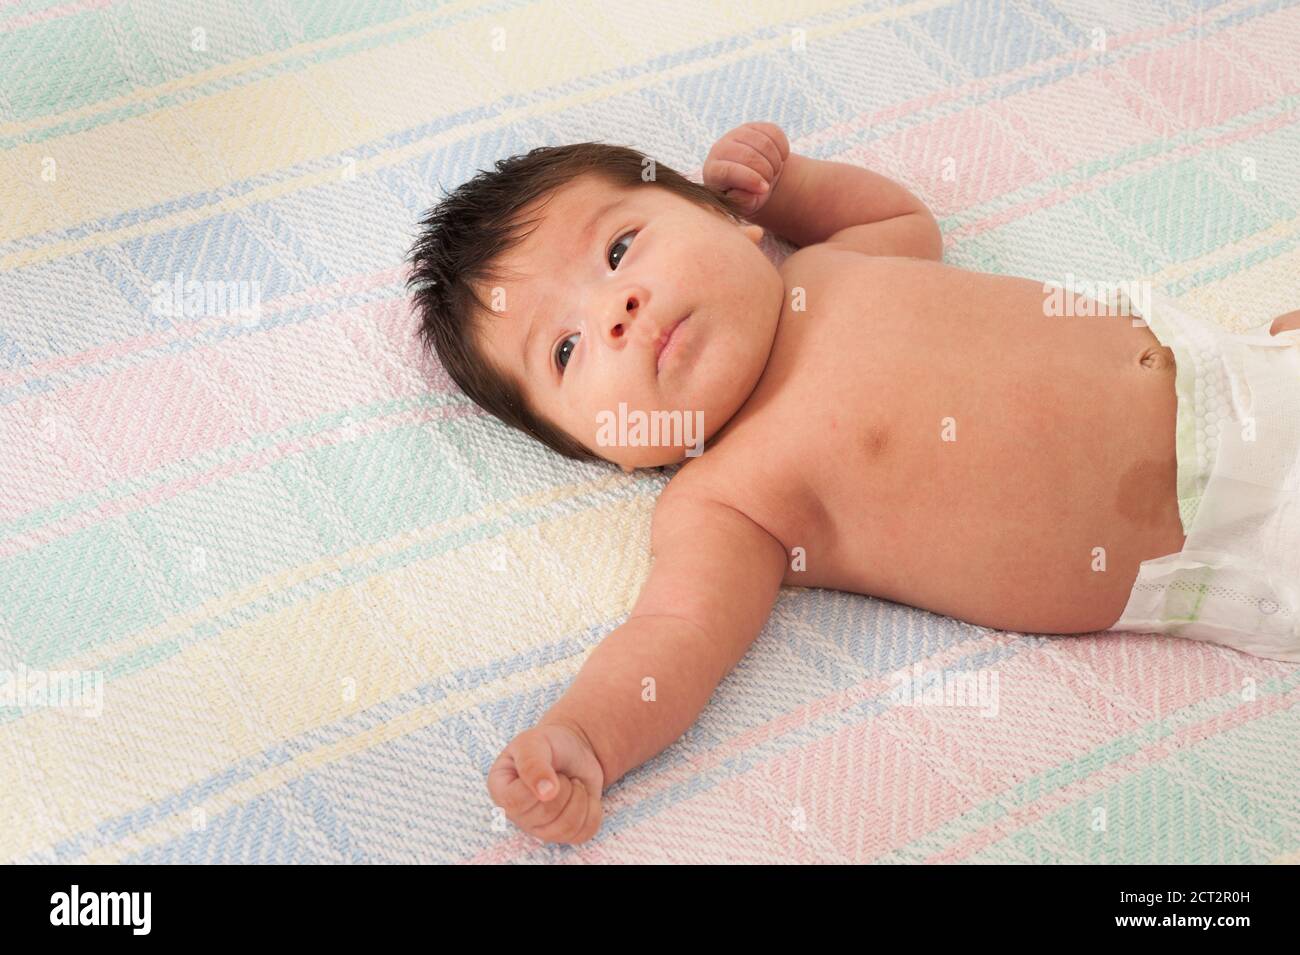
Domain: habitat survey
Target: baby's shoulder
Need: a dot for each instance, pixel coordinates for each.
(704, 523)
(826, 263)
(813, 258)
(698, 487)
(821, 254)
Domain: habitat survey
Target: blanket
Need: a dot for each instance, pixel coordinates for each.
(273, 590)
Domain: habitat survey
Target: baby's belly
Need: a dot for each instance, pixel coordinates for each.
(1017, 483)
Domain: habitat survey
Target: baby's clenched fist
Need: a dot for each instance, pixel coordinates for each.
(746, 163)
(549, 781)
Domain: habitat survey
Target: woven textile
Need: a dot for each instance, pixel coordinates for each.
(318, 590)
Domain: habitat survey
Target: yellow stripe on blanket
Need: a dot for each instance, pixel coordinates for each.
(1254, 295)
(325, 110)
(103, 655)
(318, 661)
(262, 61)
(178, 824)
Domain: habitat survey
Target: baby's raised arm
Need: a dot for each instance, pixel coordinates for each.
(712, 585)
(810, 201)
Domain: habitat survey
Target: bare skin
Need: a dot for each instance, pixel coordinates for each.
(875, 422)
(1060, 439)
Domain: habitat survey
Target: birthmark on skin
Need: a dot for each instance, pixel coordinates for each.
(875, 440)
(1146, 492)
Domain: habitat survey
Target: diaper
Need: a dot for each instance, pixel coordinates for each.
(1236, 582)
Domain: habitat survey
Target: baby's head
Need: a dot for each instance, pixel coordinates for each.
(551, 329)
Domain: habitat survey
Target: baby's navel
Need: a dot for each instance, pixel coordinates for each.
(1157, 358)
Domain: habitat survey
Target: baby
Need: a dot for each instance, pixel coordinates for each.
(863, 418)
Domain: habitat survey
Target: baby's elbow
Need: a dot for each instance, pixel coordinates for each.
(929, 240)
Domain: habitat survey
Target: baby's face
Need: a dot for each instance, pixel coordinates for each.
(587, 303)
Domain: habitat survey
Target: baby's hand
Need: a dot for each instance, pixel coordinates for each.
(746, 164)
(549, 781)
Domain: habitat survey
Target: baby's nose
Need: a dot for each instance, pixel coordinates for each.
(620, 328)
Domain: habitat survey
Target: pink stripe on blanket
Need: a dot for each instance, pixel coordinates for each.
(1092, 785)
(1266, 47)
(182, 329)
(134, 420)
(1072, 189)
(683, 773)
(1188, 86)
(51, 13)
(29, 540)
(1196, 22)
(972, 157)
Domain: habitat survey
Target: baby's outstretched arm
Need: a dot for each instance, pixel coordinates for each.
(715, 577)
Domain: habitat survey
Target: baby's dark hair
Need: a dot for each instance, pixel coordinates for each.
(463, 238)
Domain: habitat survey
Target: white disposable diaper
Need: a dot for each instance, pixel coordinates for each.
(1236, 582)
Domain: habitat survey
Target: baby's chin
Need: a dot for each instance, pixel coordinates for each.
(630, 436)
(671, 425)
(648, 440)
(667, 457)
(630, 458)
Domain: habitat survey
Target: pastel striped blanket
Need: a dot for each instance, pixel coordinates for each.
(273, 590)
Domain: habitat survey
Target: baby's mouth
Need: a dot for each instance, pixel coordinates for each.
(663, 347)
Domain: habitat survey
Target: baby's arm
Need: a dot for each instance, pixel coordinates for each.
(715, 577)
(809, 201)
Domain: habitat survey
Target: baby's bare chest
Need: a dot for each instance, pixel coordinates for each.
(942, 424)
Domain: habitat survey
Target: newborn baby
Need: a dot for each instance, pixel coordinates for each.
(863, 418)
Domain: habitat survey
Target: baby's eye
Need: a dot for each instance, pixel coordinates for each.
(616, 245)
(561, 354)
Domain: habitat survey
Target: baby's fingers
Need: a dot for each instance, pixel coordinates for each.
(539, 815)
(773, 139)
(746, 201)
(500, 776)
(515, 798)
(724, 174)
(533, 762)
(579, 820)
